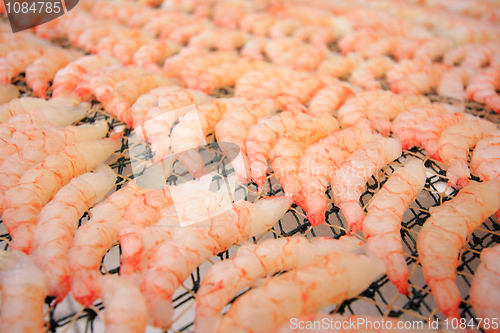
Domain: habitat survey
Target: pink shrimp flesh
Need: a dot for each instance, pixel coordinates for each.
(328, 99)
(17, 61)
(151, 55)
(366, 74)
(485, 161)
(483, 88)
(193, 69)
(19, 106)
(452, 83)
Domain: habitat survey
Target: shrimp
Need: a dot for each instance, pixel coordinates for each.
(452, 83)
(149, 100)
(299, 56)
(478, 57)
(375, 110)
(262, 137)
(37, 186)
(406, 124)
(382, 224)
(456, 54)
(247, 84)
(332, 278)
(187, 135)
(125, 49)
(126, 92)
(483, 88)
(90, 37)
(258, 24)
(17, 61)
(286, 152)
(184, 33)
(54, 231)
(339, 66)
(254, 48)
(283, 28)
(328, 99)
(192, 70)
(221, 39)
(229, 13)
(233, 128)
(173, 261)
(454, 145)
(485, 158)
(8, 92)
(19, 106)
(174, 65)
(433, 49)
(484, 288)
(318, 36)
(150, 55)
(93, 239)
(317, 166)
(23, 293)
(106, 44)
(420, 81)
(351, 176)
(225, 279)
(66, 79)
(365, 74)
(445, 233)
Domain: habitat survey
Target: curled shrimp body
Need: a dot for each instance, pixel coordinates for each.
(445, 233)
(318, 164)
(246, 84)
(93, 239)
(483, 88)
(258, 24)
(173, 65)
(173, 261)
(382, 224)
(283, 27)
(484, 287)
(406, 124)
(454, 145)
(126, 309)
(328, 99)
(54, 231)
(366, 74)
(19, 106)
(485, 161)
(149, 56)
(66, 79)
(286, 152)
(90, 37)
(192, 70)
(262, 137)
(330, 279)
(17, 61)
(419, 81)
(252, 261)
(452, 83)
(23, 293)
(233, 128)
(37, 186)
(8, 92)
(254, 48)
(145, 102)
(433, 49)
(351, 176)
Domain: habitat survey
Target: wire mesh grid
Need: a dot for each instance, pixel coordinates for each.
(381, 298)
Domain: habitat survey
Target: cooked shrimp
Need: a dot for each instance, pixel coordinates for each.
(173, 65)
(420, 81)
(317, 35)
(54, 231)
(299, 56)
(454, 145)
(262, 137)
(229, 13)
(23, 293)
(192, 129)
(351, 176)
(126, 309)
(225, 279)
(17, 61)
(185, 32)
(339, 65)
(175, 260)
(330, 279)
(90, 37)
(453, 82)
(366, 74)
(433, 49)
(483, 88)
(19, 106)
(221, 39)
(375, 110)
(382, 47)
(283, 27)
(478, 57)
(445, 233)
(286, 152)
(382, 224)
(254, 48)
(247, 84)
(258, 24)
(192, 70)
(149, 100)
(126, 92)
(7, 93)
(484, 288)
(233, 128)
(125, 49)
(406, 124)
(328, 99)
(318, 164)
(42, 71)
(37, 186)
(152, 54)
(106, 44)
(66, 79)
(456, 54)
(93, 239)
(485, 159)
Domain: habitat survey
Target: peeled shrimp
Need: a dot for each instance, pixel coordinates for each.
(365, 74)
(328, 99)
(90, 37)
(318, 164)
(294, 54)
(406, 124)
(220, 39)
(485, 161)
(66, 79)
(93, 239)
(173, 65)
(286, 152)
(37, 186)
(483, 88)
(254, 48)
(18, 106)
(152, 54)
(23, 293)
(484, 288)
(184, 33)
(175, 260)
(454, 144)
(258, 24)
(433, 49)
(376, 109)
(8, 92)
(330, 279)
(252, 261)
(283, 28)
(246, 84)
(192, 70)
(42, 71)
(452, 83)
(145, 102)
(233, 128)
(445, 233)
(262, 137)
(125, 49)
(420, 81)
(17, 61)
(382, 224)
(350, 178)
(54, 231)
